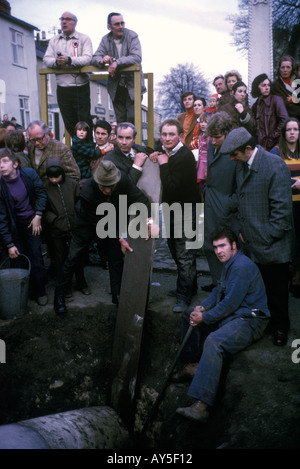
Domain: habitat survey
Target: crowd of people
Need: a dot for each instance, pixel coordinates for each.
(241, 161)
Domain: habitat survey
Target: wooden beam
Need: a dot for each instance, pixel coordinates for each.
(132, 309)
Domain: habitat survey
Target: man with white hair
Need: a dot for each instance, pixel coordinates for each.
(70, 49)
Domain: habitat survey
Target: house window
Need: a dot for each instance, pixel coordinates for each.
(99, 100)
(110, 105)
(51, 122)
(24, 111)
(17, 47)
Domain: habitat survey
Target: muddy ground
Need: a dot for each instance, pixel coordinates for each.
(54, 364)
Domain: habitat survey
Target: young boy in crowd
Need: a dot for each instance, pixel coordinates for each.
(212, 104)
(85, 152)
(22, 203)
(62, 193)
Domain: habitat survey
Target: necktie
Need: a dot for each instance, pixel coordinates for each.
(245, 169)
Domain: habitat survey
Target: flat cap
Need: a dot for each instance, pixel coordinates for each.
(235, 139)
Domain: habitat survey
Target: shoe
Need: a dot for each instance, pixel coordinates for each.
(280, 338)
(85, 291)
(208, 288)
(115, 299)
(197, 412)
(180, 306)
(42, 300)
(186, 374)
(59, 304)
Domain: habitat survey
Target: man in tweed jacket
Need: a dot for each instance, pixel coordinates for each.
(41, 147)
(266, 220)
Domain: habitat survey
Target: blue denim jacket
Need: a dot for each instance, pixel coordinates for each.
(240, 289)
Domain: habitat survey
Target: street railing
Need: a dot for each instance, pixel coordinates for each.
(95, 74)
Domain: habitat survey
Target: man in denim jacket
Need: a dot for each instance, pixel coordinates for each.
(235, 314)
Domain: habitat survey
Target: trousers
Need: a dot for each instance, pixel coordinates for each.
(223, 341)
(75, 105)
(31, 245)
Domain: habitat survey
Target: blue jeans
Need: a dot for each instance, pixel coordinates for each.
(228, 339)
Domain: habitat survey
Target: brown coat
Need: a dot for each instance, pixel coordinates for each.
(240, 120)
(270, 113)
(53, 149)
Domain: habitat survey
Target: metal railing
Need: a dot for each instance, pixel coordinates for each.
(102, 74)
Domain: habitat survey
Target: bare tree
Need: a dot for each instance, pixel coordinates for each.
(183, 77)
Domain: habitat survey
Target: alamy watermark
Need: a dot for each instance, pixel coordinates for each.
(2, 351)
(296, 92)
(296, 353)
(178, 220)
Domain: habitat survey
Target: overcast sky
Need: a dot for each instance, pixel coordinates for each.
(170, 31)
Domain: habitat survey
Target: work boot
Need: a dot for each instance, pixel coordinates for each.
(180, 306)
(115, 299)
(59, 302)
(197, 412)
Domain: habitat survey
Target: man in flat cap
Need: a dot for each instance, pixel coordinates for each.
(105, 187)
(266, 220)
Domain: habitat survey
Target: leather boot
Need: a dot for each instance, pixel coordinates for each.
(59, 302)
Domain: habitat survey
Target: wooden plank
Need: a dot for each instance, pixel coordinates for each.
(132, 309)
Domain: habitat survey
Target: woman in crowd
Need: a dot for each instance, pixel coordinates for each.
(283, 85)
(232, 77)
(269, 111)
(239, 110)
(289, 149)
(199, 109)
(203, 140)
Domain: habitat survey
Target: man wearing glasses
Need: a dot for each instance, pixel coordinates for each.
(70, 49)
(120, 48)
(41, 147)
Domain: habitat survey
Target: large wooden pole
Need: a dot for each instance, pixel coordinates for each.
(260, 53)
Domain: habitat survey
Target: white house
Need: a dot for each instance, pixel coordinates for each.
(19, 95)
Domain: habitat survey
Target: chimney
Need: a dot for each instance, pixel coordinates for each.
(43, 35)
(5, 7)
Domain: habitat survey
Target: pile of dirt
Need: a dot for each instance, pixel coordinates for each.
(55, 364)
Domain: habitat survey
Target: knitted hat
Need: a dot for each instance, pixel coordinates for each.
(107, 174)
(235, 139)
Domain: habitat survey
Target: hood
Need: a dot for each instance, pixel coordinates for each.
(55, 163)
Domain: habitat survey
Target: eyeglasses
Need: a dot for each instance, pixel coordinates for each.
(38, 139)
(122, 23)
(66, 19)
